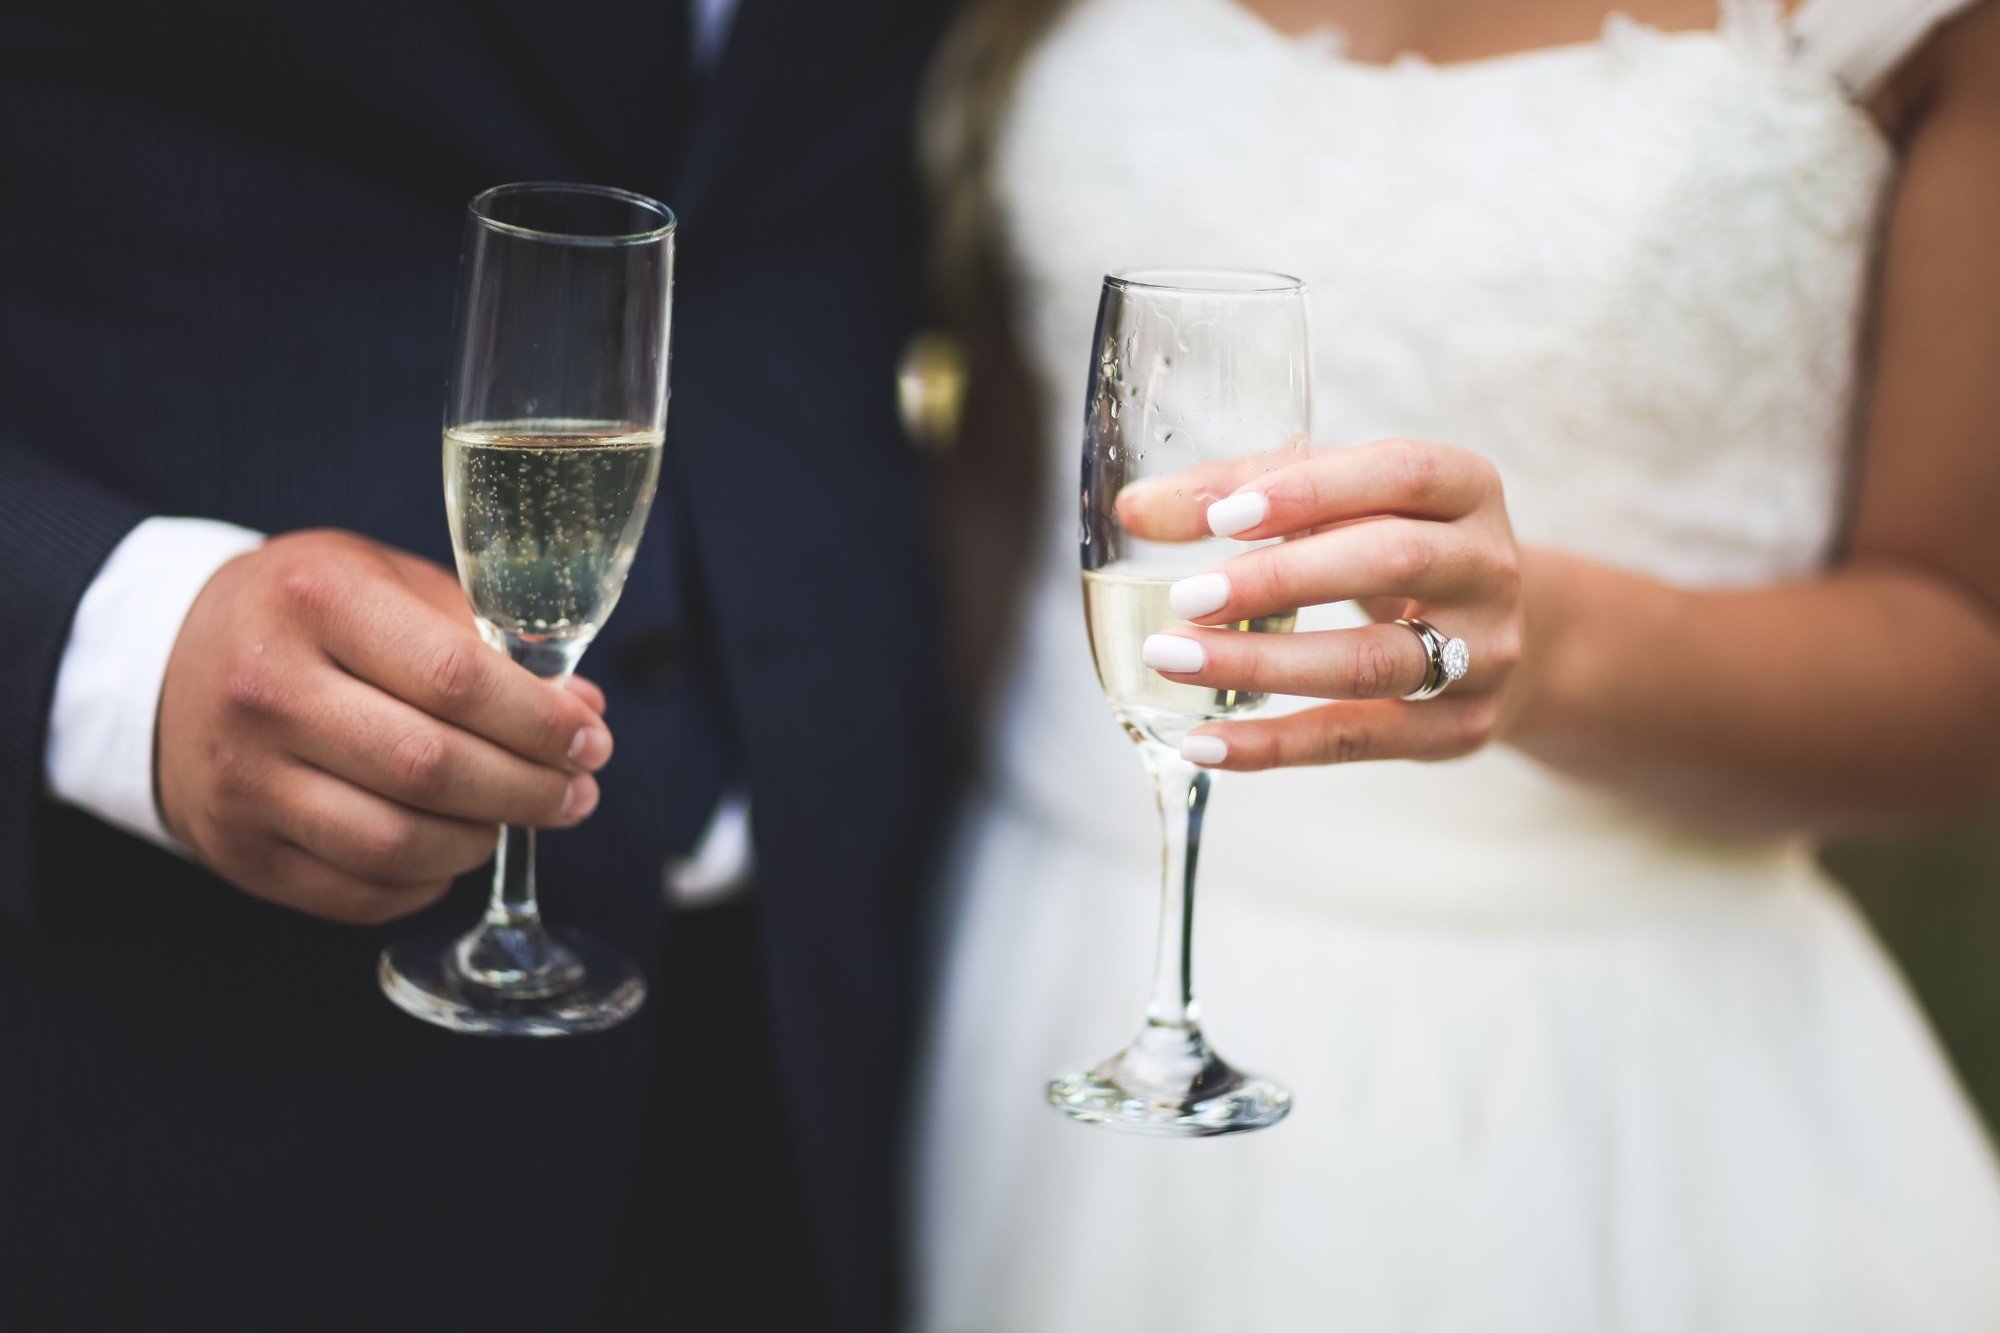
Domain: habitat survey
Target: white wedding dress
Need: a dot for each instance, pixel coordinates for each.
(1558, 1064)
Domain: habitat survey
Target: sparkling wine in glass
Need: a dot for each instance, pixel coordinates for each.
(1200, 380)
(553, 426)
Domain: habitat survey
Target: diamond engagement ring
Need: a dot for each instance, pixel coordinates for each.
(1445, 659)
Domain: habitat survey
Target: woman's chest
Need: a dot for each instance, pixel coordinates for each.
(1557, 186)
(1629, 270)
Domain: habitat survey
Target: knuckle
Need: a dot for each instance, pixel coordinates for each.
(1272, 580)
(420, 763)
(233, 773)
(1418, 467)
(252, 689)
(1318, 488)
(1406, 556)
(383, 850)
(310, 588)
(1292, 493)
(454, 672)
(1374, 669)
(559, 718)
(1349, 745)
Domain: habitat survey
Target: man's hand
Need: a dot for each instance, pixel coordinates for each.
(335, 736)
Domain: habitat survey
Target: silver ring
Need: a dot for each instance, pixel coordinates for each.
(1445, 660)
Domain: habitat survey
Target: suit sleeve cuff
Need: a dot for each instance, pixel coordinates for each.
(107, 693)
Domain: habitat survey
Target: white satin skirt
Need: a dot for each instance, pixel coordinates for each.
(1714, 1108)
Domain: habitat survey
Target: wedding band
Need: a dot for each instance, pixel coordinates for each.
(1445, 660)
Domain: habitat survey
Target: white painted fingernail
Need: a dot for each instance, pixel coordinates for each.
(1238, 513)
(1204, 749)
(1198, 595)
(1172, 652)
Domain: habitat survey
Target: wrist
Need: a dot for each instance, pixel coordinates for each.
(1580, 621)
(104, 714)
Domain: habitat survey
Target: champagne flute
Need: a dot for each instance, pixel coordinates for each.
(554, 419)
(1200, 380)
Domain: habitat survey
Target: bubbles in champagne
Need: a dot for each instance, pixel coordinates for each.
(545, 518)
(1121, 607)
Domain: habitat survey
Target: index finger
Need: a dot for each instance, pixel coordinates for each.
(1406, 478)
(380, 630)
(438, 587)
(1174, 507)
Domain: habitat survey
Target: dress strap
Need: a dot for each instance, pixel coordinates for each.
(1862, 42)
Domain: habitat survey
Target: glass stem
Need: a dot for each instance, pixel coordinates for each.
(1182, 792)
(509, 951)
(513, 902)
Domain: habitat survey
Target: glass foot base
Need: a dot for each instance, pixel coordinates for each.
(423, 978)
(1169, 1083)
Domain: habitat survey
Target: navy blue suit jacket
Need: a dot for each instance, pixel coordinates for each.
(227, 247)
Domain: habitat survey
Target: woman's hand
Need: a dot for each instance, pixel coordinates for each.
(1409, 529)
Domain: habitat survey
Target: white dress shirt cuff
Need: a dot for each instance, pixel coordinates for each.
(107, 695)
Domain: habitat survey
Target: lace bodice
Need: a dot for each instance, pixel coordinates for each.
(1627, 271)
(1630, 271)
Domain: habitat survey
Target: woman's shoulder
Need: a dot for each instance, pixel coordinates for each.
(1955, 70)
(1891, 54)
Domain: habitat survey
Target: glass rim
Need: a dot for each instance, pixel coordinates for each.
(1205, 281)
(478, 211)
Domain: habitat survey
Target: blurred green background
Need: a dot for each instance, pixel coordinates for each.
(1936, 903)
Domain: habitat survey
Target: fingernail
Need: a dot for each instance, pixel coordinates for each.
(1198, 595)
(1172, 652)
(579, 798)
(1204, 749)
(1238, 513)
(591, 747)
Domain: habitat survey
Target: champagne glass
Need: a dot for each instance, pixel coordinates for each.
(554, 418)
(1200, 380)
